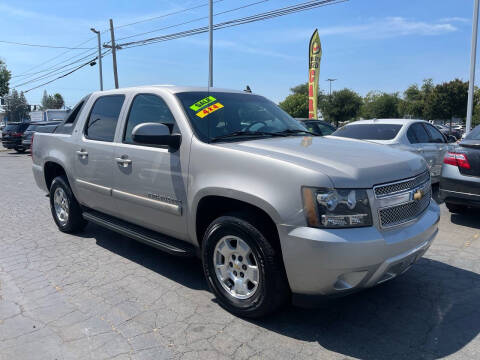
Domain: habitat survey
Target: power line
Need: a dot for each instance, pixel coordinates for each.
(66, 74)
(236, 22)
(42, 46)
(193, 20)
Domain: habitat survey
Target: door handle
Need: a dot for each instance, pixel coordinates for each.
(418, 149)
(123, 161)
(82, 153)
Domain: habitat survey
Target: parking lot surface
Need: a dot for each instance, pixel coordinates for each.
(99, 295)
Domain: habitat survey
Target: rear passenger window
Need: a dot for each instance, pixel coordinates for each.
(147, 108)
(103, 118)
(417, 134)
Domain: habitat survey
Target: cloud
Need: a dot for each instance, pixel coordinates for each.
(454, 19)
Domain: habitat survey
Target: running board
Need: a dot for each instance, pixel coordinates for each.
(157, 240)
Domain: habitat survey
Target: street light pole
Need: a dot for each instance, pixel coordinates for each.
(210, 50)
(331, 80)
(99, 56)
(473, 55)
(114, 54)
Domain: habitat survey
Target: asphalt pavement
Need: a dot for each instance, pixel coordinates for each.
(99, 295)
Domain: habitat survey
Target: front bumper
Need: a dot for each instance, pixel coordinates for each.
(11, 144)
(340, 261)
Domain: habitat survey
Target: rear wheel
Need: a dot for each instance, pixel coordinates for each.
(455, 208)
(242, 268)
(20, 150)
(66, 211)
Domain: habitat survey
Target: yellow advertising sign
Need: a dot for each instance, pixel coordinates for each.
(314, 57)
(208, 110)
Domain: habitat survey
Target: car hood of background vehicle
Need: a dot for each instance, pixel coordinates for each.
(349, 163)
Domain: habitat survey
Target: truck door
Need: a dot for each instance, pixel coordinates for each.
(94, 154)
(151, 182)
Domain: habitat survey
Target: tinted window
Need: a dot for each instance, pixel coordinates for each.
(147, 108)
(326, 129)
(369, 131)
(12, 127)
(32, 127)
(474, 134)
(103, 118)
(312, 127)
(435, 135)
(417, 134)
(216, 114)
(67, 126)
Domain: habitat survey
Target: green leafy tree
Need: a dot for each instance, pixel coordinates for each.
(296, 105)
(341, 106)
(381, 105)
(5, 76)
(449, 100)
(52, 101)
(413, 104)
(16, 107)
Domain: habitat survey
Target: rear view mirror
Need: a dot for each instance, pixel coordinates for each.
(155, 134)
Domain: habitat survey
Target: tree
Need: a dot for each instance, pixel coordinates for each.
(449, 100)
(5, 77)
(296, 105)
(52, 102)
(413, 104)
(16, 106)
(340, 106)
(378, 105)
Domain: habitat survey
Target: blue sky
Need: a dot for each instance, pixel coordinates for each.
(368, 45)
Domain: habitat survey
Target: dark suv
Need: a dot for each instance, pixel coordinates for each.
(12, 136)
(43, 126)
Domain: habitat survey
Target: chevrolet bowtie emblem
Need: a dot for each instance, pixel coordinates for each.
(418, 195)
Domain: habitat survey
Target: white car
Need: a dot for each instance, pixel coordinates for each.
(417, 136)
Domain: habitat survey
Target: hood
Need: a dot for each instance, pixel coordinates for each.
(348, 163)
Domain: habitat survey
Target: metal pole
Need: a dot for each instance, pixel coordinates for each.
(473, 55)
(99, 57)
(114, 54)
(210, 51)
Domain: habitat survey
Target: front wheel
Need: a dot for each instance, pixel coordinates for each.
(243, 268)
(66, 211)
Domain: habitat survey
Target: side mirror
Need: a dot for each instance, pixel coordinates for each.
(451, 139)
(155, 134)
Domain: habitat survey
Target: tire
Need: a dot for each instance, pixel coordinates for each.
(73, 221)
(20, 150)
(272, 290)
(455, 208)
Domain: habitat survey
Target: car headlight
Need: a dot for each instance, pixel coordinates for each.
(336, 208)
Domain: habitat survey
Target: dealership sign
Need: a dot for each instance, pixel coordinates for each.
(314, 57)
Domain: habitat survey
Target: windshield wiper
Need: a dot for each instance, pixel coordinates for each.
(245, 133)
(295, 131)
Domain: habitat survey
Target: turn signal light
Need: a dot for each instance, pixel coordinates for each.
(456, 159)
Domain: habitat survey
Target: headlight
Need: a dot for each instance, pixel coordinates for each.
(336, 208)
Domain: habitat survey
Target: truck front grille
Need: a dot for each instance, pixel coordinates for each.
(401, 186)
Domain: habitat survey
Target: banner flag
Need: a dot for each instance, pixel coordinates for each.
(314, 57)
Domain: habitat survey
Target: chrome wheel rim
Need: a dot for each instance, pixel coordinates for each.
(236, 267)
(60, 203)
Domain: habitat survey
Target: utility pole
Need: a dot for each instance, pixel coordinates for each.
(99, 56)
(331, 80)
(473, 55)
(114, 54)
(210, 50)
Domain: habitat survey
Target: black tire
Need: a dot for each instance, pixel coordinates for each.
(75, 221)
(455, 208)
(273, 290)
(20, 150)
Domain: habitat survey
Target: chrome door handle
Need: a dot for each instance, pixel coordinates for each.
(123, 161)
(82, 153)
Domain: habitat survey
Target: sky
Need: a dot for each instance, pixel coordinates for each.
(382, 45)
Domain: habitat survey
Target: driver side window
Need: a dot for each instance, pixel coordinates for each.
(147, 108)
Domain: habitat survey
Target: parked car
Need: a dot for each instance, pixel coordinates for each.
(460, 181)
(318, 127)
(417, 136)
(12, 136)
(43, 126)
(230, 177)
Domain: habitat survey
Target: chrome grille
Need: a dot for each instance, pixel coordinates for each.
(400, 186)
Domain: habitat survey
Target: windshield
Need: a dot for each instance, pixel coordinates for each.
(474, 134)
(226, 116)
(12, 127)
(369, 131)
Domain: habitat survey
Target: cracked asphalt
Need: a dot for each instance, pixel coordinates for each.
(99, 295)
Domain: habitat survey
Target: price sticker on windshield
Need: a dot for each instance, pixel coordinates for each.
(208, 110)
(201, 103)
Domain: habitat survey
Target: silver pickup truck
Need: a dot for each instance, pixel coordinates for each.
(274, 213)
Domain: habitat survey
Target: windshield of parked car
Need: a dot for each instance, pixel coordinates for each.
(233, 116)
(12, 127)
(369, 131)
(474, 134)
